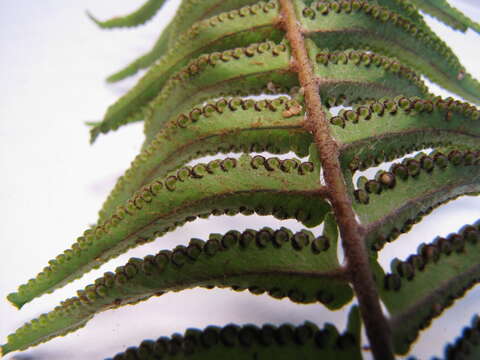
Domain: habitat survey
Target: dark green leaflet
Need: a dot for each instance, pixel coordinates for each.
(333, 25)
(299, 266)
(248, 342)
(265, 186)
(394, 201)
(390, 128)
(418, 289)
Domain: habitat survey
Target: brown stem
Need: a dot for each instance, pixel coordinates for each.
(352, 233)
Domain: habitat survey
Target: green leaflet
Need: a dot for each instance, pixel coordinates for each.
(420, 288)
(467, 346)
(286, 189)
(138, 17)
(395, 200)
(250, 342)
(390, 128)
(267, 69)
(226, 125)
(299, 266)
(449, 15)
(225, 31)
(360, 24)
(187, 14)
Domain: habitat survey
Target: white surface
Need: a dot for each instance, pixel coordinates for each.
(53, 61)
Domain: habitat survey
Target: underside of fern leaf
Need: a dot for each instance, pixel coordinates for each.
(283, 188)
(197, 99)
(274, 261)
(305, 341)
(327, 23)
(420, 288)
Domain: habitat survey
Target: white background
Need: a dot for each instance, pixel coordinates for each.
(53, 61)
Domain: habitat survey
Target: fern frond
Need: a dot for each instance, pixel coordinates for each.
(298, 266)
(265, 186)
(196, 100)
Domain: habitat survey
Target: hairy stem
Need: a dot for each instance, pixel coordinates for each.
(351, 231)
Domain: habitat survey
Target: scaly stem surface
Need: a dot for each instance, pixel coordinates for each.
(352, 233)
